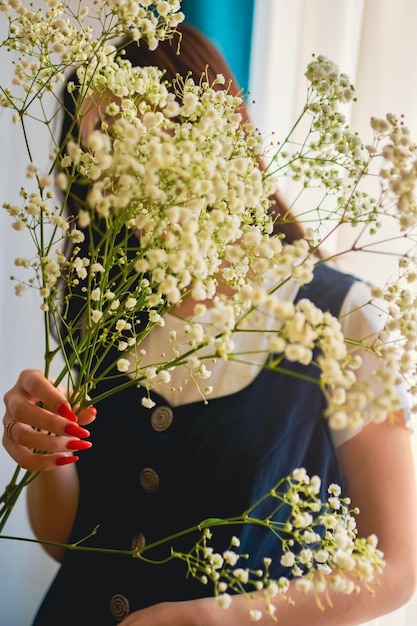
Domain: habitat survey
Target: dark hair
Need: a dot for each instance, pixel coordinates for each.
(189, 52)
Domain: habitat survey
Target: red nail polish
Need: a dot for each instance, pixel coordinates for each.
(66, 460)
(78, 445)
(76, 431)
(92, 410)
(66, 412)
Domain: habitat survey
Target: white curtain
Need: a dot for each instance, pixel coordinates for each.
(374, 41)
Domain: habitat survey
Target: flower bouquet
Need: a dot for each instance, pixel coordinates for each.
(170, 204)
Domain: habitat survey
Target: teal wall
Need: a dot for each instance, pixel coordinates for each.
(228, 24)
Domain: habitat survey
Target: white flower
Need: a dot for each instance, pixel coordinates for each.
(150, 373)
(20, 262)
(147, 402)
(95, 294)
(272, 590)
(123, 365)
(255, 615)
(304, 585)
(296, 352)
(122, 324)
(224, 600)
(302, 520)
(287, 559)
(216, 561)
(300, 475)
(334, 503)
(230, 557)
(241, 574)
(156, 318)
(130, 303)
(164, 376)
(77, 236)
(339, 420)
(18, 225)
(344, 560)
(321, 556)
(342, 585)
(96, 316)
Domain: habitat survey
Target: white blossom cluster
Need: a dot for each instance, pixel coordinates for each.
(398, 175)
(49, 41)
(320, 548)
(328, 82)
(327, 156)
(191, 188)
(331, 158)
(396, 342)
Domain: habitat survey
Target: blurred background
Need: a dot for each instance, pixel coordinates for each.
(268, 43)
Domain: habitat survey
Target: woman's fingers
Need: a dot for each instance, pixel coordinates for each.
(25, 435)
(40, 429)
(34, 461)
(88, 415)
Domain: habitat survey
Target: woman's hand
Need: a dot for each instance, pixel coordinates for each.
(190, 613)
(38, 418)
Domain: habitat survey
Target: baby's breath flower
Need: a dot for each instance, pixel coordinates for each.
(96, 315)
(130, 303)
(255, 615)
(241, 574)
(96, 268)
(304, 585)
(96, 294)
(230, 557)
(224, 600)
(123, 365)
(147, 402)
(21, 262)
(19, 225)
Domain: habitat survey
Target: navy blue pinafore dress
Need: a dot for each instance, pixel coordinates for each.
(152, 473)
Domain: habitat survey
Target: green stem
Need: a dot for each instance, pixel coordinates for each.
(78, 547)
(12, 493)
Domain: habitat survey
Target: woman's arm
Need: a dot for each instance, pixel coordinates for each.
(52, 500)
(379, 467)
(38, 417)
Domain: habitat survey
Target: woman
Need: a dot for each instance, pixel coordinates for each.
(152, 473)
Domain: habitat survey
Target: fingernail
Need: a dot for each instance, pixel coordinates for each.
(76, 431)
(78, 445)
(65, 411)
(66, 460)
(92, 410)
